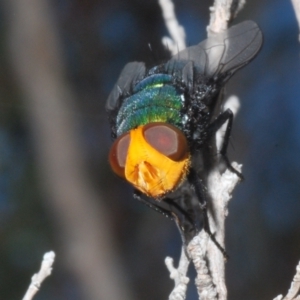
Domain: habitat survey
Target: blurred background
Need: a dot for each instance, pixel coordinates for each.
(59, 59)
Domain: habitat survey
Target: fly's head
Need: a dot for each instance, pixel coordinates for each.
(154, 158)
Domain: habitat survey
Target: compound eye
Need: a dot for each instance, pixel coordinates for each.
(118, 154)
(167, 139)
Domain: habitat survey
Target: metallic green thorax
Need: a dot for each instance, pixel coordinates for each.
(154, 99)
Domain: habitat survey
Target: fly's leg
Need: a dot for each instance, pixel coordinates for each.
(172, 203)
(169, 213)
(199, 188)
(187, 226)
(139, 196)
(227, 115)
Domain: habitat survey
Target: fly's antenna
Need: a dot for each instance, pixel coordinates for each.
(153, 56)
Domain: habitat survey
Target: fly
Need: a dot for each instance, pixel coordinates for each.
(162, 119)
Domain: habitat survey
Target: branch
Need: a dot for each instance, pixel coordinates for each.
(177, 41)
(179, 276)
(296, 5)
(207, 259)
(38, 278)
(204, 282)
(294, 291)
(220, 187)
(221, 13)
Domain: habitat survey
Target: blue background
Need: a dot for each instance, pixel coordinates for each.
(98, 38)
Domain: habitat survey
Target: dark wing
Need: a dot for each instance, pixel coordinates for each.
(233, 49)
(131, 73)
(219, 54)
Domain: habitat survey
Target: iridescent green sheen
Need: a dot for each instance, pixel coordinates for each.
(152, 81)
(156, 100)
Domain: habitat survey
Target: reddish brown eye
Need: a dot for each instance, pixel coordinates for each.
(118, 154)
(166, 139)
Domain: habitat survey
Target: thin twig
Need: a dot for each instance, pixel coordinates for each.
(38, 278)
(294, 291)
(296, 5)
(179, 276)
(177, 41)
(221, 13)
